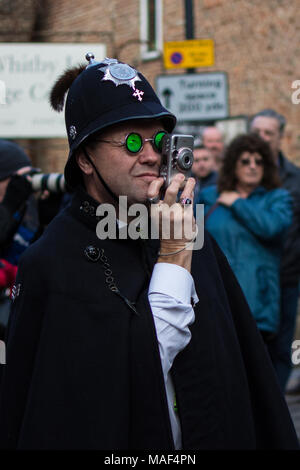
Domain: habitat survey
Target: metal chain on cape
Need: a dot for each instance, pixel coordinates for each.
(111, 282)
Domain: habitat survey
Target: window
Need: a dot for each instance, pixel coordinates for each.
(151, 28)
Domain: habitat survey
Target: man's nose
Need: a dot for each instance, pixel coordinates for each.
(149, 155)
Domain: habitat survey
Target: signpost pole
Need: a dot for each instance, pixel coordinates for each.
(189, 23)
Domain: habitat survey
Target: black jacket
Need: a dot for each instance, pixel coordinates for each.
(15, 199)
(290, 178)
(83, 368)
(202, 183)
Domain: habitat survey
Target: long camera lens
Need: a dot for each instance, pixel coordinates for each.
(53, 182)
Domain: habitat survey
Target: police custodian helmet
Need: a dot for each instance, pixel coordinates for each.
(99, 95)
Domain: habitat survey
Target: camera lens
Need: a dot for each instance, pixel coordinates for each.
(53, 182)
(185, 159)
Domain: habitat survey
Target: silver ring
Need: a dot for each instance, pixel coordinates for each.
(153, 200)
(185, 201)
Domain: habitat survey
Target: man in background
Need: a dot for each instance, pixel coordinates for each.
(270, 126)
(23, 217)
(213, 140)
(203, 168)
(18, 219)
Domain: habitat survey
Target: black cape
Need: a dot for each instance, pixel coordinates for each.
(83, 369)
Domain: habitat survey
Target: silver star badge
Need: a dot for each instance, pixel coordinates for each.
(121, 74)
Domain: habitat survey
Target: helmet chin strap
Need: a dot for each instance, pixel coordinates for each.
(99, 176)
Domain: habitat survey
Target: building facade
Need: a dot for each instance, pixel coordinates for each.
(255, 43)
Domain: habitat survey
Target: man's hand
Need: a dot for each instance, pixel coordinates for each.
(22, 171)
(177, 227)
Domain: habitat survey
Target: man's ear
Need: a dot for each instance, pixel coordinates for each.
(83, 163)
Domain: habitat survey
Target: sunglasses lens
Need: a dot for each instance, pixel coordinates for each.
(158, 140)
(246, 161)
(134, 142)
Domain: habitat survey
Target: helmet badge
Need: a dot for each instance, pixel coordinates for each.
(121, 74)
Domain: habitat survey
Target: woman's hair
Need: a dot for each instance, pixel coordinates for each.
(251, 143)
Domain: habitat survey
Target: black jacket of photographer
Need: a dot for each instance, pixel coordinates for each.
(83, 369)
(290, 178)
(13, 208)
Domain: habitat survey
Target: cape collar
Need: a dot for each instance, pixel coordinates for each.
(84, 207)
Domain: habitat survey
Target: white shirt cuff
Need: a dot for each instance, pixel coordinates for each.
(174, 281)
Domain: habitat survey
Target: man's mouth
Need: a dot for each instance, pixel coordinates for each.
(147, 176)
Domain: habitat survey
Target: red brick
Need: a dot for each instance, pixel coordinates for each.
(256, 44)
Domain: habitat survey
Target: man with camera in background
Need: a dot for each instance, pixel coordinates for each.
(18, 218)
(23, 217)
(131, 343)
(15, 191)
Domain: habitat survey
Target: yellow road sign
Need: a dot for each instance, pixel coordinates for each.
(189, 54)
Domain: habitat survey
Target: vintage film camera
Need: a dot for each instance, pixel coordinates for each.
(177, 156)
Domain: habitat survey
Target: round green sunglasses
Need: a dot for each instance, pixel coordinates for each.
(134, 142)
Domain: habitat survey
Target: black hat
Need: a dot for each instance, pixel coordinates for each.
(106, 93)
(12, 158)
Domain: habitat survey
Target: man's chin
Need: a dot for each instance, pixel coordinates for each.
(143, 200)
(137, 199)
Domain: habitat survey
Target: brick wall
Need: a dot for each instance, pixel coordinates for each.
(256, 43)
(17, 19)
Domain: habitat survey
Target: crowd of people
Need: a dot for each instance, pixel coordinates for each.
(141, 343)
(252, 209)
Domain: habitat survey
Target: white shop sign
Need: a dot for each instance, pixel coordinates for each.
(27, 74)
